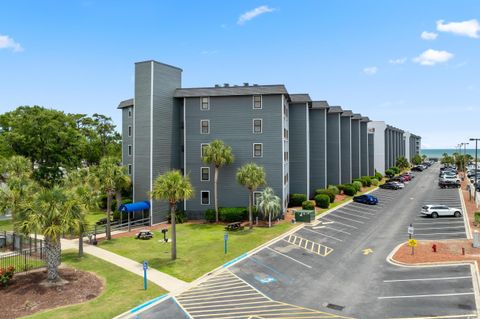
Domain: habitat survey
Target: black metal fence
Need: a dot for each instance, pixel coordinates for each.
(22, 252)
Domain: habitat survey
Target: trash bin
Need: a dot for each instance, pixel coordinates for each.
(306, 216)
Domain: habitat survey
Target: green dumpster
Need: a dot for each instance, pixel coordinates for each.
(306, 216)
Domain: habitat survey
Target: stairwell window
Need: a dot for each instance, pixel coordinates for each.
(257, 150)
(257, 126)
(129, 169)
(205, 103)
(257, 101)
(129, 130)
(204, 126)
(130, 112)
(205, 198)
(129, 150)
(205, 174)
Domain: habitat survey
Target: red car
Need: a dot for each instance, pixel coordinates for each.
(406, 177)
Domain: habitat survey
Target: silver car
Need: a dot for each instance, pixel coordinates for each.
(435, 211)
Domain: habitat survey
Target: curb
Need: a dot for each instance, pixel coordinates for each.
(466, 219)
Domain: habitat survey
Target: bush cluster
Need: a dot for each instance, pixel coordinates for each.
(334, 189)
(349, 190)
(378, 176)
(297, 199)
(327, 192)
(375, 182)
(357, 185)
(366, 181)
(341, 187)
(229, 214)
(308, 205)
(6, 274)
(395, 169)
(389, 173)
(322, 200)
(181, 216)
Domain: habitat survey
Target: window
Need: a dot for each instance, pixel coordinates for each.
(257, 126)
(285, 179)
(129, 112)
(129, 130)
(129, 169)
(285, 133)
(205, 174)
(202, 149)
(256, 197)
(285, 109)
(129, 150)
(204, 126)
(285, 156)
(257, 101)
(205, 103)
(205, 200)
(257, 150)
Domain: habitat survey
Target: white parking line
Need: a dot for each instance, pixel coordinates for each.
(313, 231)
(436, 223)
(275, 251)
(350, 214)
(430, 228)
(353, 210)
(428, 296)
(329, 220)
(456, 233)
(338, 230)
(352, 220)
(429, 279)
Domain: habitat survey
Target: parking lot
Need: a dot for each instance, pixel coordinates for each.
(337, 266)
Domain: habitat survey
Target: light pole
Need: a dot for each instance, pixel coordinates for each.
(476, 167)
(464, 158)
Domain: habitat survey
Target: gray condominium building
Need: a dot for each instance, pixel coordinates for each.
(302, 144)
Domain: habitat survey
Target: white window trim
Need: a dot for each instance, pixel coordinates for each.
(261, 102)
(201, 148)
(201, 127)
(201, 175)
(129, 149)
(253, 199)
(208, 103)
(201, 197)
(253, 150)
(261, 126)
(130, 130)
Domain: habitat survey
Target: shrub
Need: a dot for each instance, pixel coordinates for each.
(378, 176)
(350, 190)
(322, 200)
(181, 217)
(327, 192)
(297, 199)
(395, 169)
(309, 205)
(341, 187)
(6, 274)
(366, 182)
(477, 217)
(233, 214)
(357, 185)
(389, 173)
(375, 182)
(333, 189)
(210, 215)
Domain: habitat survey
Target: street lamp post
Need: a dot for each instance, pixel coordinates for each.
(476, 167)
(464, 158)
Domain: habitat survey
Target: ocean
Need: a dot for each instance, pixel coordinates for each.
(438, 153)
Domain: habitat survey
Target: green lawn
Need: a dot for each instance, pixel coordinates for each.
(199, 247)
(6, 225)
(123, 291)
(93, 217)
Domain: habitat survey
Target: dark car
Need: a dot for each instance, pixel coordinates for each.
(366, 199)
(389, 185)
(417, 169)
(400, 179)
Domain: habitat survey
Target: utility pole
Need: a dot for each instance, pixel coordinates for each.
(476, 168)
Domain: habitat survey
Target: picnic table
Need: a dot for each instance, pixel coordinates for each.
(234, 226)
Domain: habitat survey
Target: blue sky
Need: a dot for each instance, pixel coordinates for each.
(368, 56)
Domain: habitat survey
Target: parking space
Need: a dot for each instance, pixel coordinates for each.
(427, 292)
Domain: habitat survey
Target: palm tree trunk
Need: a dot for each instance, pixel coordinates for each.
(216, 193)
(174, 231)
(109, 204)
(118, 197)
(80, 244)
(53, 256)
(250, 215)
(269, 219)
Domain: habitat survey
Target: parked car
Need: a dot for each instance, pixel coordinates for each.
(406, 178)
(390, 185)
(435, 211)
(410, 174)
(400, 179)
(418, 168)
(449, 179)
(399, 184)
(366, 199)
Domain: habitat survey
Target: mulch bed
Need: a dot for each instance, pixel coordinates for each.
(25, 295)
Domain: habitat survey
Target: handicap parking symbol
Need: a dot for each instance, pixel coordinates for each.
(265, 280)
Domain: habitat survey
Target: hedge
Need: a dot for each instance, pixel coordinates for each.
(350, 190)
(297, 199)
(322, 200)
(366, 181)
(341, 187)
(477, 217)
(357, 185)
(395, 169)
(334, 189)
(389, 172)
(375, 182)
(378, 176)
(327, 192)
(308, 205)
(229, 214)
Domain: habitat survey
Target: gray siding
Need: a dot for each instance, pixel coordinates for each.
(333, 149)
(346, 145)
(356, 162)
(231, 120)
(298, 148)
(127, 121)
(364, 148)
(318, 140)
(371, 154)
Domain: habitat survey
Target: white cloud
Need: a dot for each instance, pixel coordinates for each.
(468, 28)
(429, 35)
(371, 70)
(8, 43)
(397, 61)
(432, 57)
(249, 15)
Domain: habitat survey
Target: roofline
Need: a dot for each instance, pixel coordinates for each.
(149, 61)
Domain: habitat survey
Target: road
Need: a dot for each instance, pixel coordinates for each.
(337, 267)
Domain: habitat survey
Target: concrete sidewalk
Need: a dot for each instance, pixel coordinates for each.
(163, 280)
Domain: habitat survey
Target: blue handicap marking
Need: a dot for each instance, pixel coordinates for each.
(265, 280)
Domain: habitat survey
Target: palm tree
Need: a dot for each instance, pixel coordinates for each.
(112, 178)
(122, 182)
(218, 154)
(51, 213)
(269, 204)
(251, 176)
(172, 187)
(402, 163)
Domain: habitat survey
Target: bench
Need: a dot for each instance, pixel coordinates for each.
(234, 226)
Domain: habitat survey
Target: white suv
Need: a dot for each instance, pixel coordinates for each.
(449, 179)
(435, 211)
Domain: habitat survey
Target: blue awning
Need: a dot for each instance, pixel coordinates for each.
(134, 207)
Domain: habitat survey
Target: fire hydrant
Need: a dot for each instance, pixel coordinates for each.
(434, 247)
